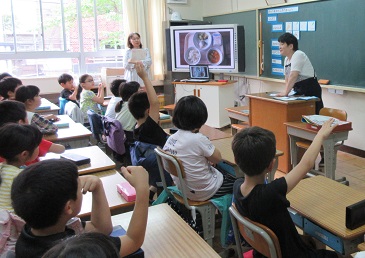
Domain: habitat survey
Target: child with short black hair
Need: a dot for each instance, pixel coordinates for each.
(29, 95)
(8, 86)
(114, 88)
(48, 194)
(18, 145)
(123, 114)
(254, 150)
(197, 152)
(69, 92)
(5, 75)
(12, 111)
(87, 245)
(145, 108)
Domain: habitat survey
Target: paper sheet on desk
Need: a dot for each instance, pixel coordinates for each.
(296, 98)
(291, 93)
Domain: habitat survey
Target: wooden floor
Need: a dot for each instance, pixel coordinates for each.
(350, 166)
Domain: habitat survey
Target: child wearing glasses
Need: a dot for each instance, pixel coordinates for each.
(88, 99)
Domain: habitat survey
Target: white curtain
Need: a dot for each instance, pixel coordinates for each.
(146, 17)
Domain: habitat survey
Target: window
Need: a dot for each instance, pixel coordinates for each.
(42, 37)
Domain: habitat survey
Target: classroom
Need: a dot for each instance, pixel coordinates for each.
(329, 30)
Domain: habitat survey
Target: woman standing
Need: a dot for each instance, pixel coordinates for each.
(299, 72)
(131, 57)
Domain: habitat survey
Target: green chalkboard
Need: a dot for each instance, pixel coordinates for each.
(248, 20)
(334, 48)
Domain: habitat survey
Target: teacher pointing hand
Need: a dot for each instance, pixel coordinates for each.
(299, 72)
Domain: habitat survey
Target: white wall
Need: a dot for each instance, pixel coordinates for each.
(46, 84)
(215, 7)
(193, 10)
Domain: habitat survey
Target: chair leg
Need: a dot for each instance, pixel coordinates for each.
(208, 221)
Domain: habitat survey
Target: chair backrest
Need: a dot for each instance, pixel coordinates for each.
(114, 133)
(62, 102)
(336, 113)
(260, 237)
(172, 164)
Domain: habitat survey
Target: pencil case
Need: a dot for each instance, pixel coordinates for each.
(127, 191)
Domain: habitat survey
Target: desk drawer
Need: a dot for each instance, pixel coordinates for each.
(296, 217)
(324, 236)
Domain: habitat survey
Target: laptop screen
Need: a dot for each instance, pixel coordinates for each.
(199, 71)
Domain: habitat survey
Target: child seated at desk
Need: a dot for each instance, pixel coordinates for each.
(49, 193)
(144, 106)
(88, 245)
(114, 88)
(196, 152)
(69, 92)
(18, 145)
(29, 95)
(254, 150)
(123, 114)
(88, 99)
(8, 87)
(12, 111)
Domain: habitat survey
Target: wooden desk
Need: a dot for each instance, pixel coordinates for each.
(216, 96)
(117, 204)
(167, 235)
(225, 147)
(76, 135)
(322, 202)
(65, 119)
(361, 247)
(52, 110)
(298, 131)
(99, 160)
(269, 113)
(169, 108)
(210, 132)
(238, 114)
(165, 123)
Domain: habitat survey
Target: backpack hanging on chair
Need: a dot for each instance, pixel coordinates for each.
(114, 133)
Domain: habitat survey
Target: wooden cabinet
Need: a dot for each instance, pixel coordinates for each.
(271, 114)
(216, 95)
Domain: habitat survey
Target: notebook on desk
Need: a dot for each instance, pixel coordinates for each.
(198, 73)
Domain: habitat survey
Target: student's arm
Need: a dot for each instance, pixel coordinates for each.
(216, 157)
(100, 220)
(99, 98)
(138, 178)
(57, 148)
(151, 93)
(289, 83)
(73, 96)
(44, 125)
(307, 161)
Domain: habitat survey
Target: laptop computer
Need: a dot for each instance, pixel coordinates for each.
(198, 73)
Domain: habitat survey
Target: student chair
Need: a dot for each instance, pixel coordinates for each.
(336, 113)
(62, 102)
(96, 126)
(173, 165)
(260, 237)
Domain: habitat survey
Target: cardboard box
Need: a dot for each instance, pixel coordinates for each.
(112, 71)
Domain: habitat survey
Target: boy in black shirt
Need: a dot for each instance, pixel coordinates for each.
(254, 150)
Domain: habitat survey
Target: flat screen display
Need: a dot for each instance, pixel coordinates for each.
(212, 45)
